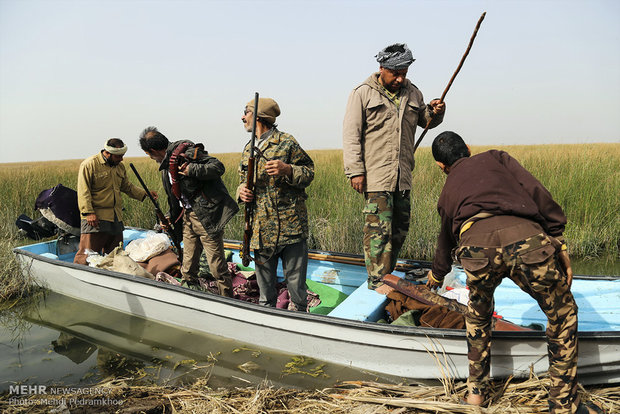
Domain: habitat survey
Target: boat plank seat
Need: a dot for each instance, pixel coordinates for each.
(362, 305)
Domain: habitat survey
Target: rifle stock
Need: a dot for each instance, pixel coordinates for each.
(249, 183)
(160, 214)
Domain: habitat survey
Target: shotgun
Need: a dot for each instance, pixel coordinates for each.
(249, 183)
(160, 215)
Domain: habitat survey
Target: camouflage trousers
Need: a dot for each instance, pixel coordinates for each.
(532, 265)
(386, 222)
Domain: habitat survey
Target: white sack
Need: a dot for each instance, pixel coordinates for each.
(141, 250)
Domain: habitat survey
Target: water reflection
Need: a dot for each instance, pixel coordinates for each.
(71, 342)
(608, 266)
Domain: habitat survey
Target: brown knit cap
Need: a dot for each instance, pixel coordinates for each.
(268, 109)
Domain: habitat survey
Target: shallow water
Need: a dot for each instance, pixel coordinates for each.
(606, 266)
(56, 340)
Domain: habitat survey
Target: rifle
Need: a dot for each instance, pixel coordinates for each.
(249, 183)
(160, 215)
(471, 43)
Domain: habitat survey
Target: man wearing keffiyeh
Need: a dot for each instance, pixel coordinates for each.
(101, 179)
(378, 140)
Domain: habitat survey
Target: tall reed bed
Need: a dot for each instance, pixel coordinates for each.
(584, 179)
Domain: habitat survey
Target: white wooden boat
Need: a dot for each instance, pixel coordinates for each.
(349, 335)
(165, 353)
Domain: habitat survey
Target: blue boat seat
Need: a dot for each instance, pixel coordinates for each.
(362, 305)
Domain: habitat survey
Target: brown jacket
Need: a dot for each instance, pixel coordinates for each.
(99, 188)
(378, 138)
(495, 183)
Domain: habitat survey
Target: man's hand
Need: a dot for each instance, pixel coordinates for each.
(359, 183)
(278, 168)
(432, 283)
(184, 169)
(154, 195)
(165, 226)
(438, 106)
(92, 220)
(566, 266)
(245, 194)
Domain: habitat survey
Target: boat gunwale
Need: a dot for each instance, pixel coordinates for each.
(414, 262)
(349, 323)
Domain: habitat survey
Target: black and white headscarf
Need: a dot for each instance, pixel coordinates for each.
(396, 57)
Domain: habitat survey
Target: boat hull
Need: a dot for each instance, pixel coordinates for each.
(411, 353)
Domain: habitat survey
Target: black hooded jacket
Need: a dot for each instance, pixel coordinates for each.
(203, 188)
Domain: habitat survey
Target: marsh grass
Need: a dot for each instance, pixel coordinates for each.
(584, 179)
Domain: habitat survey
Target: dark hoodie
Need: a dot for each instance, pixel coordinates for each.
(203, 188)
(491, 182)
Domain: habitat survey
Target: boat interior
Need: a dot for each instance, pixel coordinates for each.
(596, 297)
(361, 303)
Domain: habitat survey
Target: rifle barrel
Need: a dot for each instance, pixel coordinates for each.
(160, 214)
(249, 183)
(148, 193)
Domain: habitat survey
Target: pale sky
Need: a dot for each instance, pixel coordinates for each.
(75, 73)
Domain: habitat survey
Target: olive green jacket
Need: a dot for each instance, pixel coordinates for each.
(378, 138)
(100, 186)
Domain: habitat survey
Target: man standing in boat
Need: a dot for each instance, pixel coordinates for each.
(505, 223)
(378, 140)
(280, 225)
(198, 199)
(101, 179)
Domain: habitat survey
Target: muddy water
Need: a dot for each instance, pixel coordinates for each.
(56, 340)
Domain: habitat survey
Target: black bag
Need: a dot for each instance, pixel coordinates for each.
(36, 229)
(59, 205)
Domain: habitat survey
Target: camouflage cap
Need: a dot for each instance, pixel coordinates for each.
(268, 109)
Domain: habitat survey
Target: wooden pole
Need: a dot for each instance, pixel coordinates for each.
(471, 42)
(357, 261)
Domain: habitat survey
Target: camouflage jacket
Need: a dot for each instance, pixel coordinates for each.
(280, 214)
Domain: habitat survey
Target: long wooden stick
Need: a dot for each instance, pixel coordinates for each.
(358, 261)
(471, 42)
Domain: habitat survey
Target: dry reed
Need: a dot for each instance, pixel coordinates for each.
(526, 396)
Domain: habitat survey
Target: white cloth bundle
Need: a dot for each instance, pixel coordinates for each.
(153, 244)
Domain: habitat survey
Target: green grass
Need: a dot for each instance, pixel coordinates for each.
(584, 179)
